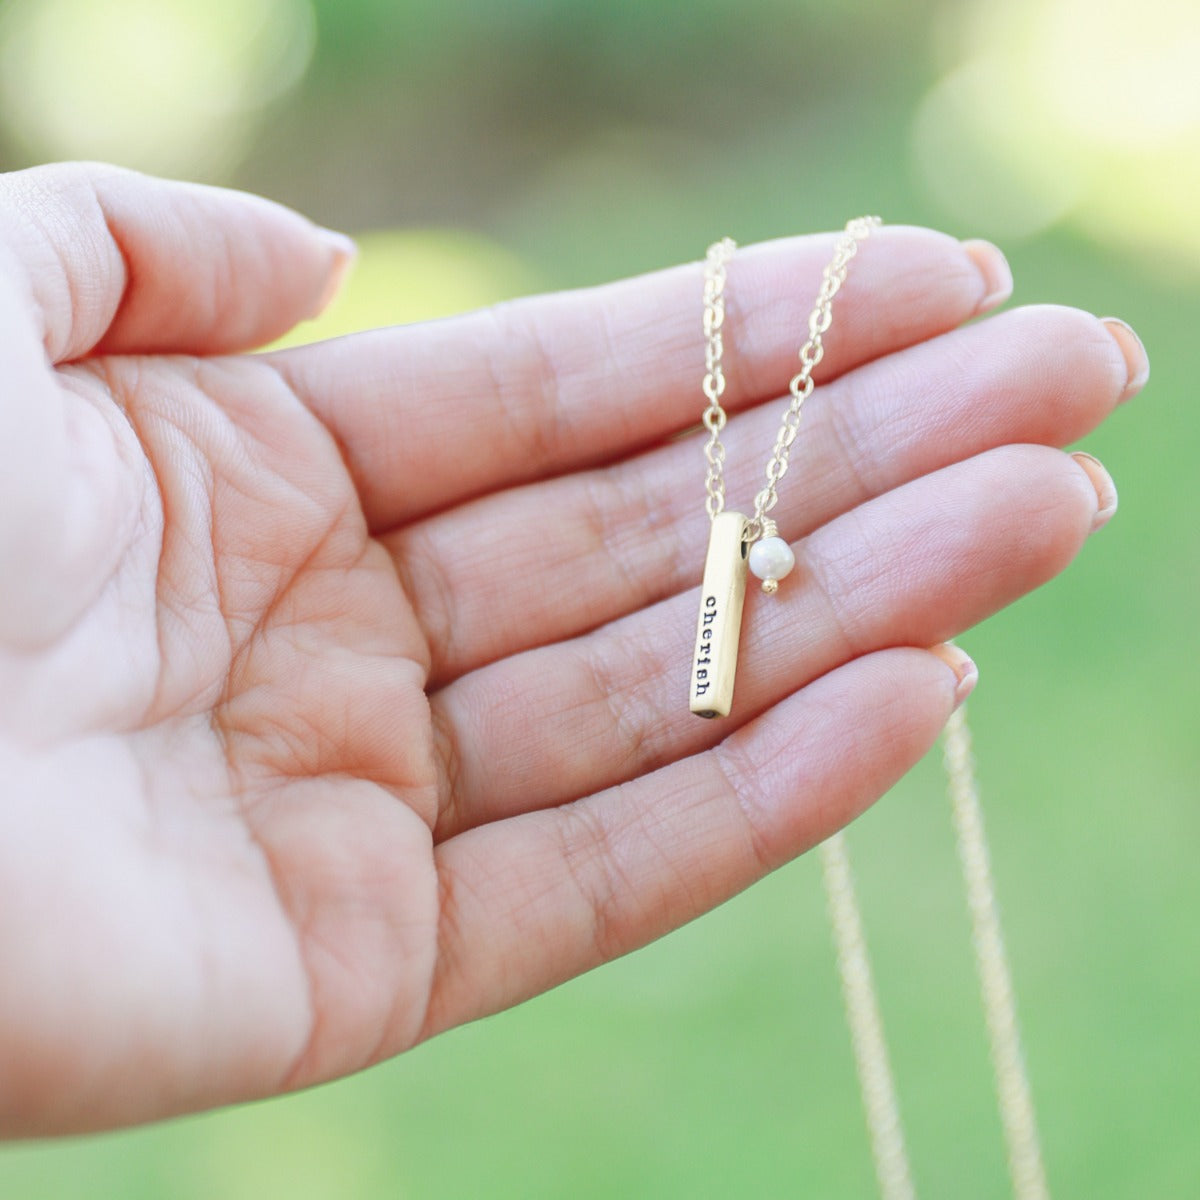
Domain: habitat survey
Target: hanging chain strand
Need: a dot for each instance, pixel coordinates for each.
(811, 354)
(1013, 1092)
(719, 254)
(861, 1001)
(715, 273)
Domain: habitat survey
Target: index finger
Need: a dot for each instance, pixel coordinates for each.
(431, 415)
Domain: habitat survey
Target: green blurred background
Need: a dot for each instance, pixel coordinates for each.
(480, 150)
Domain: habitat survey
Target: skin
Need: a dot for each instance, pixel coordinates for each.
(342, 688)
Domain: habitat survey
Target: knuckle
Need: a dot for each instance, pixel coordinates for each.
(521, 364)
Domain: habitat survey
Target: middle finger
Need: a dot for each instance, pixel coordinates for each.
(548, 561)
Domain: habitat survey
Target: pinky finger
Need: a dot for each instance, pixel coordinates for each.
(531, 901)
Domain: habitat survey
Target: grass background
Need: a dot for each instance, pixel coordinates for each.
(484, 150)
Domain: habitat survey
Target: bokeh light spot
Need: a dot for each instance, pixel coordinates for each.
(171, 86)
(411, 275)
(1061, 110)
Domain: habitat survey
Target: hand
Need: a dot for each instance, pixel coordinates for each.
(343, 689)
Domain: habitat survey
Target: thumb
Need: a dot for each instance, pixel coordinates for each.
(123, 263)
(95, 258)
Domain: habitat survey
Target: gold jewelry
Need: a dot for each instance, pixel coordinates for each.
(1013, 1093)
(737, 542)
(733, 542)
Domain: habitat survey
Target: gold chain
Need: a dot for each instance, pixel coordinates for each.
(715, 272)
(862, 1004)
(719, 254)
(1013, 1091)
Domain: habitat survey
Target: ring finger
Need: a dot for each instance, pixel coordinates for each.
(912, 567)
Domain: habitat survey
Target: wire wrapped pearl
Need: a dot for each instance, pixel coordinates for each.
(771, 558)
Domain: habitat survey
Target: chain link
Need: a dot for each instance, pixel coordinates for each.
(715, 272)
(719, 254)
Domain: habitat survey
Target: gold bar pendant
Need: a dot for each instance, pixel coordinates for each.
(719, 625)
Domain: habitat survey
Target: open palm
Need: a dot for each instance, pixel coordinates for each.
(343, 689)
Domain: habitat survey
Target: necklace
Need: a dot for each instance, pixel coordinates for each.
(738, 543)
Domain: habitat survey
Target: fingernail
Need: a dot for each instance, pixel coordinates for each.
(1137, 363)
(342, 253)
(966, 673)
(1106, 490)
(993, 267)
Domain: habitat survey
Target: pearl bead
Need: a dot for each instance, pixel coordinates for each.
(771, 558)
